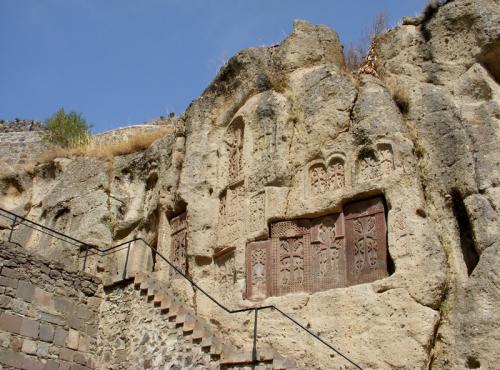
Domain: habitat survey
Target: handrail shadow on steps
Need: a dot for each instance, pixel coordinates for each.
(90, 250)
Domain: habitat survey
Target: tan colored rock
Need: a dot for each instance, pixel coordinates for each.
(284, 133)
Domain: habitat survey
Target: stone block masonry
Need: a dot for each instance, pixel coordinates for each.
(48, 314)
(18, 148)
(21, 141)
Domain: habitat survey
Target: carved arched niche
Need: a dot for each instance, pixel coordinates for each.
(317, 177)
(336, 172)
(386, 158)
(367, 166)
(373, 163)
(323, 178)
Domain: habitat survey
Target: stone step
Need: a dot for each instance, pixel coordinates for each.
(206, 341)
(185, 317)
(174, 310)
(189, 323)
(159, 298)
(144, 286)
(199, 330)
(140, 277)
(216, 347)
(236, 357)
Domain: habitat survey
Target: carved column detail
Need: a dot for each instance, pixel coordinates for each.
(178, 249)
(366, 241)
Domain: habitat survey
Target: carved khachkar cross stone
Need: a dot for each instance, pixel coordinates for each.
(236, 152)
(310, 255)
(366, 237)
(178, 249)
(258, 262)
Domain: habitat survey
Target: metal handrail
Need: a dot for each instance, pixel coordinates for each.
(102, 252)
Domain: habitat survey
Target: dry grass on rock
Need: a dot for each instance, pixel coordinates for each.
(128, 145)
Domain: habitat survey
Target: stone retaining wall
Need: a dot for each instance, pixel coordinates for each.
(20, 125)
(124, 133)
(18, 148)
(48, 315)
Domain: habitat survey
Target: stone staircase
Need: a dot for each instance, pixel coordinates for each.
(199, 332)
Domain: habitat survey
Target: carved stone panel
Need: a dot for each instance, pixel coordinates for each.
(328, 252)
(235, 142)
(178, 249)
(336, 174)
(225, 272)
(366, 241)
(386, 159)
(291, 253)
(256, 212)
(367, 167)
(323, 178)
(258, 269)
(310, 255)
(318, 179)
(231, 215)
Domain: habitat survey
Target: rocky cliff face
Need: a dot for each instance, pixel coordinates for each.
(365, 206)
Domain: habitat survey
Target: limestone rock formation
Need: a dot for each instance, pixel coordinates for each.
(366, 207)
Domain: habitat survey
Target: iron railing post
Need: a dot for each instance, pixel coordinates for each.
(12, 228)
(254, 349)
(126, 262)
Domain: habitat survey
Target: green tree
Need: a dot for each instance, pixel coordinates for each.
(67, 129)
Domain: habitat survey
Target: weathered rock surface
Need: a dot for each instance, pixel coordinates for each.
(285, 133)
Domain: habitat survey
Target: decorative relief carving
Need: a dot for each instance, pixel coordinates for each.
(366, 241)
(386, 158)
(368, 167)
(318, 178)
(336, 174)
(291, 265)
(178, 249)
(231, 214)
(328, 252)
(258, 265)
(310, 255)
(225, 271)
(373, 164)
(326, 178)
(256, 209)
(399, 225)
(236, 149)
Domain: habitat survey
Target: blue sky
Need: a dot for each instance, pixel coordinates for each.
(121, 62)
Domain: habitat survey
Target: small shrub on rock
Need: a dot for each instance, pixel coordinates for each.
(67, 130)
